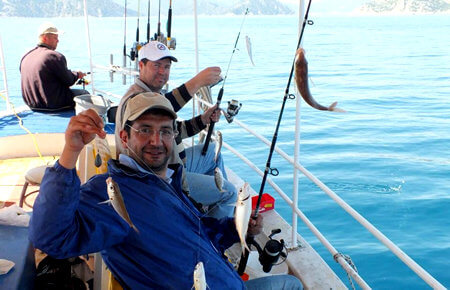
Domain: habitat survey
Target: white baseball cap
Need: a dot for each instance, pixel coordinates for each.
(48, 27)
(155, 50)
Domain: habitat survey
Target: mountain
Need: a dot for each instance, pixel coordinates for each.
(108, 8)
(406, 6)
(60, 8)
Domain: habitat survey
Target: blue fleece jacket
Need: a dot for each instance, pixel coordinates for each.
(173, 236)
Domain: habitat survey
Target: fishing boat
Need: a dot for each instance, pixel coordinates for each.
(23, 155)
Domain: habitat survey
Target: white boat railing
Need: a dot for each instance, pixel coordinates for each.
(430, 280)
(4, 91)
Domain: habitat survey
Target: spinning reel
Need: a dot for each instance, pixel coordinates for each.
(268, 257)
(233, 109)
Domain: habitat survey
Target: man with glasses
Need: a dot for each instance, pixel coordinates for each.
(155, 61)
(172, 236)
(45, 78)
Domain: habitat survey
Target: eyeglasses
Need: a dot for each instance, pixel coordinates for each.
(147, 132)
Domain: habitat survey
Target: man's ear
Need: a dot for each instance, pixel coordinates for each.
(124, 138)
(141, 65)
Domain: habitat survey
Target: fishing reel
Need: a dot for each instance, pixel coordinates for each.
(233, 109)
(170, 42)
(134, 50)
(268, 257)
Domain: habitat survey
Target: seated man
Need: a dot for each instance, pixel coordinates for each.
(155, 62)
(171, 236)
(45, 78)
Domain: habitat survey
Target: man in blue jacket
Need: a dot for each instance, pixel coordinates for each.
(171, 235)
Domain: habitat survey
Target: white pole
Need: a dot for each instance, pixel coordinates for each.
(86, 21)
(5, 81)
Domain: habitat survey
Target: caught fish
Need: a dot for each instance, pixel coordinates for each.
(218, 179)
(301, 79)
(102, 154)
(218, 145)
(202, 135)
(249, 48)
(199, 277)
(242, 214)
(116, 200)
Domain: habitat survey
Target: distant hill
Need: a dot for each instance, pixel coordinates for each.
(110, 8)
(406, 7)
(59, 8)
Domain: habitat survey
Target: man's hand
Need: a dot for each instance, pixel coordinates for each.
(208, 76)
(80, 74)
(81, 130)
(255, 225)
(212, 114)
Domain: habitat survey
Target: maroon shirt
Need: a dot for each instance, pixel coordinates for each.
(46, 80)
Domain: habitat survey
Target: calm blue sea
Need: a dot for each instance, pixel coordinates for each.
(388, 156)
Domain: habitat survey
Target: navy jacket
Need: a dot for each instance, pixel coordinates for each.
(173, 236)
(46, 80)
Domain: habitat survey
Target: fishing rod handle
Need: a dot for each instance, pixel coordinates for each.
(169, 24)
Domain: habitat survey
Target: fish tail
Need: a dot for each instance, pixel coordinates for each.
(333, 108)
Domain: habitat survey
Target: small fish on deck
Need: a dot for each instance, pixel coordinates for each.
(116, 200)
(199, 277)
(242, 214)
(301, 79)
(218, 179)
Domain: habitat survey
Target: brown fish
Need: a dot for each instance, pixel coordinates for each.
(301, 79)
(116, 200)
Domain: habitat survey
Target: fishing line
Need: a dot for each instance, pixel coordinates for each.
(274, 171)
(219, 97)
(124, 77)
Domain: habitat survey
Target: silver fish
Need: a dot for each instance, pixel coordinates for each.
(199, 277)
(102, 154)
(116, 200)
(218, 179)
(249, 48)
(301, 79)
(242, 214)
(218, 145)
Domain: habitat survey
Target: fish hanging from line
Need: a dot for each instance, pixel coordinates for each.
(218, 145)
(249, 48)
(218, 179)
(242, 214)
(301, 79)
(102, 154)
(200, 277)
(116, 200)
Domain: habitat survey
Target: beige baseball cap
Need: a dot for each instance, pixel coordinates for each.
(140, 103)
(48, 27)
(155, 50)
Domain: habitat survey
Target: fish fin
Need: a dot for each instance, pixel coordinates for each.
(108, 201)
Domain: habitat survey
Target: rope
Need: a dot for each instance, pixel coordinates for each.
(350, 262)
(23, 127)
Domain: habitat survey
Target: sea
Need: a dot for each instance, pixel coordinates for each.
(387, 156)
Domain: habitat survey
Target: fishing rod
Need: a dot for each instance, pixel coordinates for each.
(136, 46)
(170, 42)
(148, 22)
(219, 96)
(158, 33)
(273, 171)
